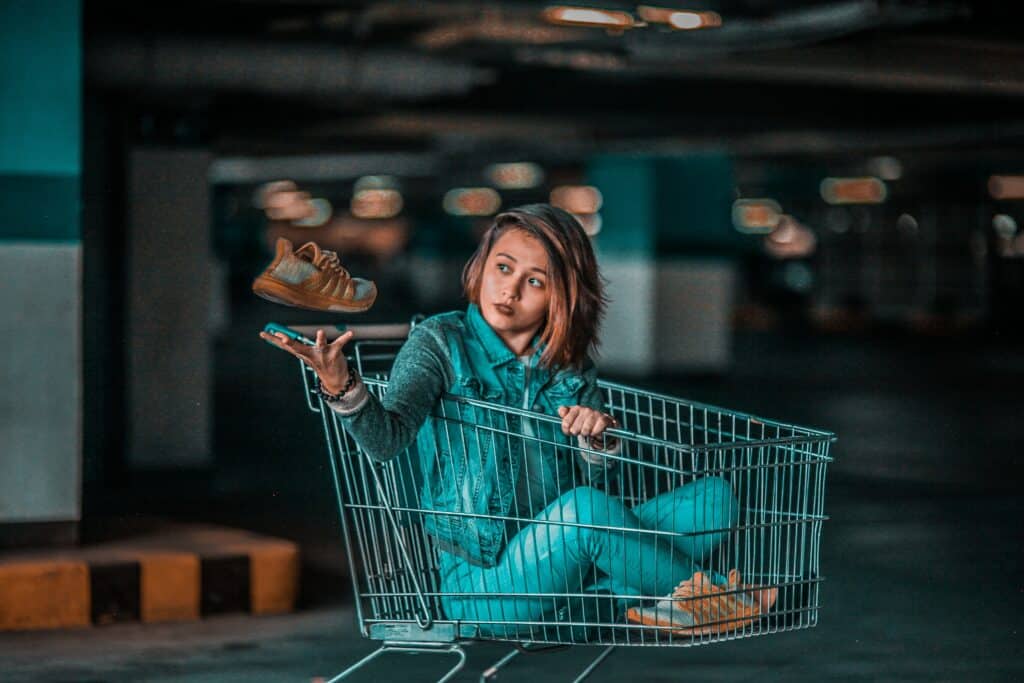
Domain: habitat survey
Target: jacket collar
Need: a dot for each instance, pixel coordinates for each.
(494, 348)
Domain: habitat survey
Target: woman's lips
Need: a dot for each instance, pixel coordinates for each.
(503, 309)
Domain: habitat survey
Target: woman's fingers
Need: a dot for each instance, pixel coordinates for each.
(568, 415)
(580, 420)
(583, 421)
(586, 422)
(343, 338)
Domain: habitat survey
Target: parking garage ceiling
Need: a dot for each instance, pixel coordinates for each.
(777, 75)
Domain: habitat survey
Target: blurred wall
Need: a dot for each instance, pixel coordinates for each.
(169, 280)
(40, 258)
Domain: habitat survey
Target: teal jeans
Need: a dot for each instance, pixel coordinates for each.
(589, 543)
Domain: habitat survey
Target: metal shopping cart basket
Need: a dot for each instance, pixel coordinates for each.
(774, 474)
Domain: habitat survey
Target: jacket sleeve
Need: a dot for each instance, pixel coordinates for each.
(385, 427)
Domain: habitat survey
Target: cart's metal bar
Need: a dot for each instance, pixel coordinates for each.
(307, 393)
(604, 384)
(492, 671)
(594, 664)
(331, 455)
(389, 511)
(601, 527)
(537, 594)
(621, 433)
(409, 648)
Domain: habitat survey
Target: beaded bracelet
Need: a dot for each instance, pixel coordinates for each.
(334, 398)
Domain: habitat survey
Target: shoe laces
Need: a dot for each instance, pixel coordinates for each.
(329, 261)
(324, 259)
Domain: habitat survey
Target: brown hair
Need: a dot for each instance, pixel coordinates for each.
(577, 302)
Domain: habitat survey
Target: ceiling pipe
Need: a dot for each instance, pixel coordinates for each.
(322, 71)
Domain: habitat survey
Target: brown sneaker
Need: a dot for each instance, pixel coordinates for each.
(312, 278)
(698, 607)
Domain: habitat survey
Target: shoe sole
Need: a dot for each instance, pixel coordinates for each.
(285, 294)
(636, 616)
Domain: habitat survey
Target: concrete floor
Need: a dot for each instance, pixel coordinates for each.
(919, 588)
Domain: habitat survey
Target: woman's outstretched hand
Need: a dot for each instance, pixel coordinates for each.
(327, 360)
(583, 421)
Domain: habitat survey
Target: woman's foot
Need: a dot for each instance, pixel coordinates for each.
(698, 607)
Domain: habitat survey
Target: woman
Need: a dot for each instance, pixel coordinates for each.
(536, 301)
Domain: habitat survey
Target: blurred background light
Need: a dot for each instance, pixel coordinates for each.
(790, 239)
(1006, 187)
(587, 16)
(515, 176)
(838, 220)
(373, 203)
(907, 224)
(679, 19)
(591, 223)
(867, 190)
(472, 201)
(1004, 225)
(577, 199)
(321, 213)
(756, 216)
(886, 168)
(798, 277)
(1018, 245)
(375, 182)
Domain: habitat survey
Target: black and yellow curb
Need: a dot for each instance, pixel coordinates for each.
(177, 574)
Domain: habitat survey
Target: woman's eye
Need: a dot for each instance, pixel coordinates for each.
(535, 282)
(503, 267)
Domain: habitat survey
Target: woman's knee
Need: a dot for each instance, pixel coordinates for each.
(719, 501)
(586, 504)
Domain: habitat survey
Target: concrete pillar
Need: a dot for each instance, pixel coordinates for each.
(666, 251)
(170, 278)
(40, 258)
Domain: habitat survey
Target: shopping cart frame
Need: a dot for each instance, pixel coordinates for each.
(425, 632)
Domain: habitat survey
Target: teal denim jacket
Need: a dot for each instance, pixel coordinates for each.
(465, 469)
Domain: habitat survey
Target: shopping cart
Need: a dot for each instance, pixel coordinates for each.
(775, 472)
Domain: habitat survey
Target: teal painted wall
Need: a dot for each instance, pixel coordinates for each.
(628, 215)
(40, 119)
(667, 206)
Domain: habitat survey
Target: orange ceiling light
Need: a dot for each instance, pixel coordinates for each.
(1006, 187)
(756, 216)
(577, 199)
(472, 201)
(591, 17)
(376, 204)
(515, 176)
(680, 20)
(868, 190)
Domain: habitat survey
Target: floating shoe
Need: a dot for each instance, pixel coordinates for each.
(313, 278)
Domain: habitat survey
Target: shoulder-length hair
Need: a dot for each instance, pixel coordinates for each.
(577, 303)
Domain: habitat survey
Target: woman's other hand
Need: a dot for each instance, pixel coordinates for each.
(584, 421)
(327, 360)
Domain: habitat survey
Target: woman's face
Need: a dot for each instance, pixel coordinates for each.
(514, 290)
